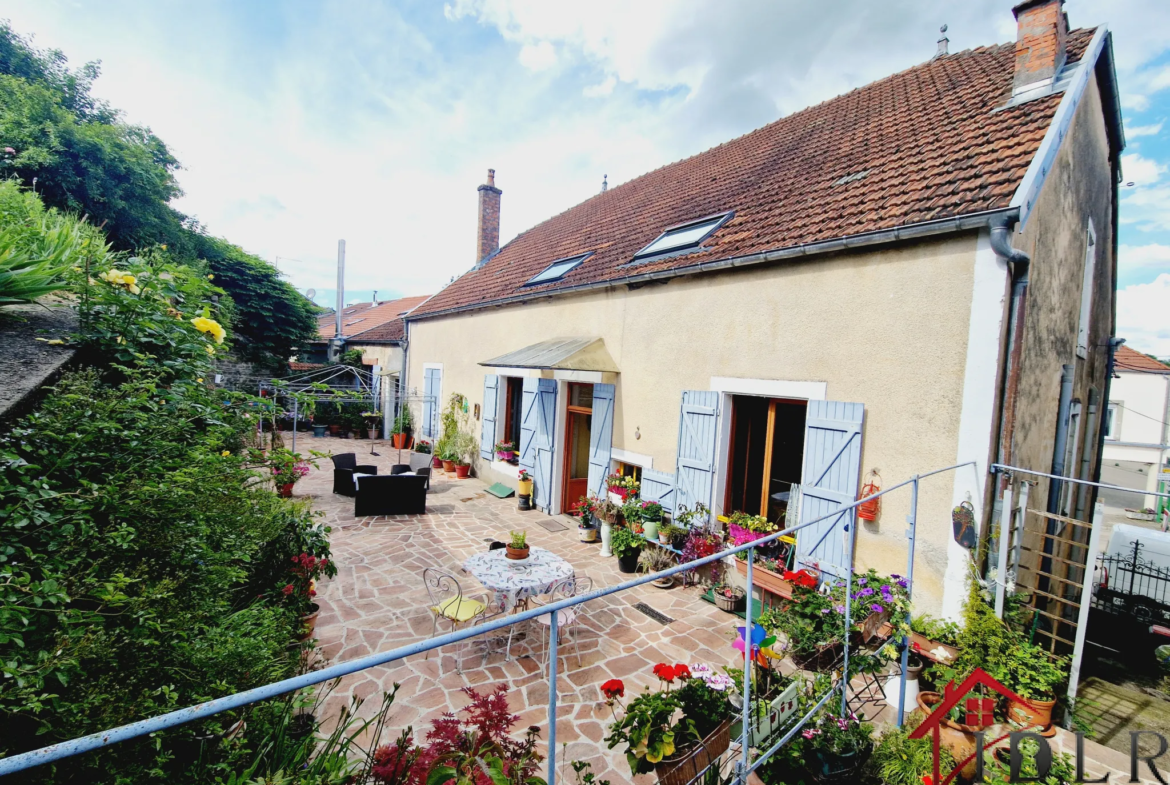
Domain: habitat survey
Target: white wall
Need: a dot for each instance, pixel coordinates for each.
(1140, 433)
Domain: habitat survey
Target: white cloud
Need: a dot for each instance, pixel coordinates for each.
(1142, 318)
(600, 90)
(538, 57)
(1134, 131)
(1135, 101)
(1134, 258)
(1141, 171)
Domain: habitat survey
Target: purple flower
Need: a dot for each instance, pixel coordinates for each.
(861, 581)
(839, 608)
(824, 611)
(876, 608)
(895, 576)
(903, 584)
(866, 592)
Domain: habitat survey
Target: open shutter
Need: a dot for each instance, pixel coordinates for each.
(528, 415)
(832, 471)
(600, 438)
(658, 487)
(432, 381)
(546, 413)
(695, 464)
(487, 439)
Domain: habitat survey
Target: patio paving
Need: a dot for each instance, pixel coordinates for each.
(377, 602)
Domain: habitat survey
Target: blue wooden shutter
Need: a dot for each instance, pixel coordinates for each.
(487, 439)
(832, 471)
(432, 381)
(600, 438)
(528, 415)
(697, 432)
(658, 487)
(546, 414)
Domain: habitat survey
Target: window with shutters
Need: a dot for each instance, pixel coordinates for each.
(765, 454)
(512, 395)
(629, 470)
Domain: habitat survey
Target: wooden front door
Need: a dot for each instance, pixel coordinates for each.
(578, 421)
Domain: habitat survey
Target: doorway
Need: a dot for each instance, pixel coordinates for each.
(578, 420)
(765, 455)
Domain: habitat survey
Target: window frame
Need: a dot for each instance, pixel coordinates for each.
(577, 260)
(1111, 432)
(717, 221)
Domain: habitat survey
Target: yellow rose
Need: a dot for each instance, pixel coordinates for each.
(163, 246)
(210, 350)
(134, 289)
(225, 453)
(210, 326)
(199, 380)
(210, 277)
(128, 279)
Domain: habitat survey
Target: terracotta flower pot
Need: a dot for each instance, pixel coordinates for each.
(399, 440)
(449, 466)
(1034, 713)
(371, 433)
(436, 462)
(334, 429)
(516, 553)
(462, 471)
(286, 490)
(959, 739)
(309, 621)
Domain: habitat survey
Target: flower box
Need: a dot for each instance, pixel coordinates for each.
(693, 761)
(766, 579)
(924, 647)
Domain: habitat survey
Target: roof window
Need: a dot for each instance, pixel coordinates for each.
(355, 321)
(683, 237)
(557, 270)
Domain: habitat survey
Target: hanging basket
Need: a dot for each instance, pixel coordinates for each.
(868, 510)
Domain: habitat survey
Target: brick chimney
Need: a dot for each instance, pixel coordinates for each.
(1042, 32)
(487, 241)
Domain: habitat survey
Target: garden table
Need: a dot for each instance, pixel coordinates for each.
(514, 582)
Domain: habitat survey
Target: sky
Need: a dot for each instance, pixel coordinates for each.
(298, 123)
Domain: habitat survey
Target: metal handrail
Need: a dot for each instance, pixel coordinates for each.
(65, 749)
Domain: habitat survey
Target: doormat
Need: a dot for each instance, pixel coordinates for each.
(653, 614)
(550, 524)
(500, 490)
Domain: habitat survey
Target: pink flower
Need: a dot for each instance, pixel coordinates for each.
(10, 151)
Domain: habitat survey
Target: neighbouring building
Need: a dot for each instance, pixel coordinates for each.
(1137, 440)
(898, 279)
(375, 328)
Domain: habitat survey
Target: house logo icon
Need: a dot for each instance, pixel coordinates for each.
(978, 713)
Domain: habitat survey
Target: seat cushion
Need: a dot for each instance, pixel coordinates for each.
(565, 617)
(459, 610)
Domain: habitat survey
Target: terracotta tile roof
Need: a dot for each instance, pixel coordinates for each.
(360, 318)
(1128, 359)
(920, 145)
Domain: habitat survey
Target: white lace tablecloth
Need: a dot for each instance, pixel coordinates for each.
(513, 582)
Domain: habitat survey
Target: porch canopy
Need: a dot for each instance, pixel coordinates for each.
(559, 354)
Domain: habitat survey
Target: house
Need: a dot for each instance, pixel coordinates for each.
(375, 328)
(911, 275)
(1137, 440)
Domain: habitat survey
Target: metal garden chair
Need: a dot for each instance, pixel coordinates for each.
(567, 618)
(449, 603)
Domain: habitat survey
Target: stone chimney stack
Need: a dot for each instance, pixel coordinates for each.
(487, 241)
(1042, 33)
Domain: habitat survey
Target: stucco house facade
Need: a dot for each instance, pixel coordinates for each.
(1136, 453)
(897, 280)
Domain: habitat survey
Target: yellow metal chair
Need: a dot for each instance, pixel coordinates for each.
(449, 604)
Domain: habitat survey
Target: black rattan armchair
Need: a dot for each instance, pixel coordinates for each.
(391, 494)
(344, 467)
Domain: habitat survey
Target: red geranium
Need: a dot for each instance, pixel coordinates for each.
(614, 688)
(802, 578)
(682, 671)
(665, 672)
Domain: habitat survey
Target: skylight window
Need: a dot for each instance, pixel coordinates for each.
(683, 237)
(557, 270)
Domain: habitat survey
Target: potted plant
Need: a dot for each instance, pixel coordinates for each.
(517, 548)
(505, 451)
(669, 534)
(627, 546)
(840, 746)
(651, 517)
(373, 421)
(287, 468)
(648, 729)
(620, 488)
(728, 598)
(464, 446)
(632, 514)
(403, 428)
(319, 430)
(524, 483)
(654, 560)
(588, 528)
(1029, 671)
(448, 456)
